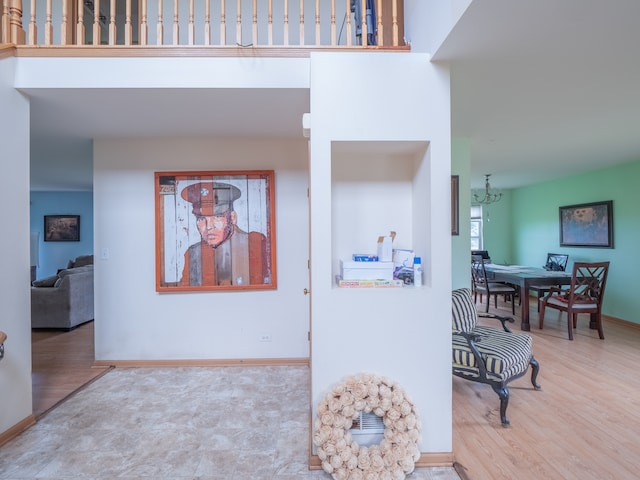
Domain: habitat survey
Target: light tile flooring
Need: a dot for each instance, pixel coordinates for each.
(231, 423)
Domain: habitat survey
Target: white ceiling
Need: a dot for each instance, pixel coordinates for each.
(545, 88)
(540, 88)
(63, 122)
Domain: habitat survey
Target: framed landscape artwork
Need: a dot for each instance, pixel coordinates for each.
(215, 231)
(62, 228)
(587, 225)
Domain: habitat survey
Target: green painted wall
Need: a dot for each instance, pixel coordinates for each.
(534, 227)
(461, 166)
(497, 228)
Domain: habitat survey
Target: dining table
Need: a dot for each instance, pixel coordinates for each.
(525, 277)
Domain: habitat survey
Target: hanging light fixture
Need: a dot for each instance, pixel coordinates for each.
(488, 196)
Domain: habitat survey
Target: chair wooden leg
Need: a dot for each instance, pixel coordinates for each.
(540, 315)
(539, 297)
(535, 368)
(599, 326)
(570, 319)
(503, 393)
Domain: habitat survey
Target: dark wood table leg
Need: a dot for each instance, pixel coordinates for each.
(524, 312)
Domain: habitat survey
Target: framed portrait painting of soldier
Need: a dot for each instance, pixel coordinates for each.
(215, 230)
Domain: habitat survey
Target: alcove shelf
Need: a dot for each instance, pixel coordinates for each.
(378, 187)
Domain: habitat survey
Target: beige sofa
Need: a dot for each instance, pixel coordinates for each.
(63, 301)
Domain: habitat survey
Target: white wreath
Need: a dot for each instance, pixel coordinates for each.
(341, 455)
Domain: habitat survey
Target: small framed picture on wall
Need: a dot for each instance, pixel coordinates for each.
(62, 228)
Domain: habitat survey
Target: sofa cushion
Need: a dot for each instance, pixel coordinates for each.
(73, 271)
(45, 282)
(80, 261)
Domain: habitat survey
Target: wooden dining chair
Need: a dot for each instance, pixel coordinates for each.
(483, 286)
(556, 262)
(584, 295)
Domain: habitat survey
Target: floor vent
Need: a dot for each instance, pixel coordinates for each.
(367, 429)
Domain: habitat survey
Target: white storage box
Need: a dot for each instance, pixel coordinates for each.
(366, 270)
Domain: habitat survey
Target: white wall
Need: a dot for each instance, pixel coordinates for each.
(428, 22)
(403, 334)
(133, 321)
(15, 304)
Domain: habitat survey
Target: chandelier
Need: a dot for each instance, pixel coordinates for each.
(488, 196)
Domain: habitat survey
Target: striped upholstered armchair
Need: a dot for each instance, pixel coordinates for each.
(489, 355)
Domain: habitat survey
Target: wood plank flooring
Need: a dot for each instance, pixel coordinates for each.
(584, 423)
(62, 362)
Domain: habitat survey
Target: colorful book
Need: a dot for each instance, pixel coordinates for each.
(364, 257)
(368, 283)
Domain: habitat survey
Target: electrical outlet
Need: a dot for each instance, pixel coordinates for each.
(265, 337)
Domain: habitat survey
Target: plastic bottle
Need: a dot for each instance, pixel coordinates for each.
(417, 272)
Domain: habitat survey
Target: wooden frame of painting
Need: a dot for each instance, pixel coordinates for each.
(455, 207)
(215, 230)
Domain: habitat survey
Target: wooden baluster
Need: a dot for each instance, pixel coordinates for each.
(333, 22)
(380, 26)
(223, 23)
(317, 22)
(270, 24)
(348, 22)
(48, 24)
(33, 29)
(286, 22)
(80, 25)
(207, 22)
(239, 22)
(365, 40)
(159, 27)
(254, 23)
(112, 22)
(143, 35)
(4, 26)
(128, 27)
(15, 21)
(301, 22)
(192, 27)
(394, 10)
(96, 22)
(176, 26)
(65, 31)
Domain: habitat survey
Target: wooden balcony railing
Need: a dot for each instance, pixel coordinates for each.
(221, 23)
